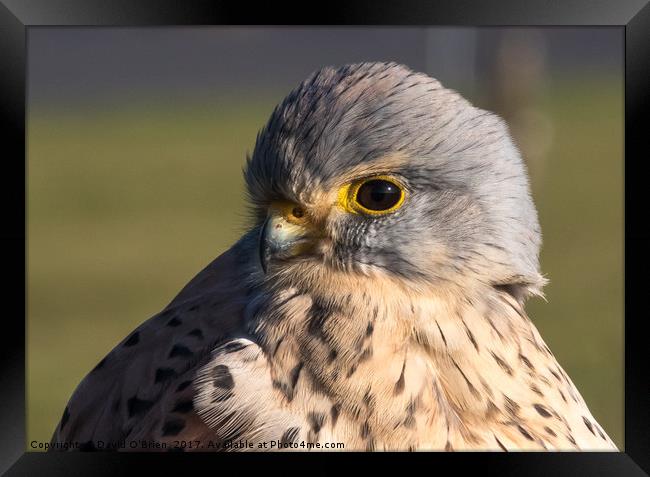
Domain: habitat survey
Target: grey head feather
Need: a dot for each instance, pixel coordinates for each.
(469, 214)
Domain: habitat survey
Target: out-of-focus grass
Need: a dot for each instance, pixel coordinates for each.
(126, 205)
(579, 197)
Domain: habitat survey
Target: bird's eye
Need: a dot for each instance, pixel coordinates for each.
(376, 195)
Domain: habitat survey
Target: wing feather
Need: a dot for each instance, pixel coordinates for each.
(143, 388)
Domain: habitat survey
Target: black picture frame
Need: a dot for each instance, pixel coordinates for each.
(17, 16)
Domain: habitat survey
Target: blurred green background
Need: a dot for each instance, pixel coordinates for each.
(137, 137)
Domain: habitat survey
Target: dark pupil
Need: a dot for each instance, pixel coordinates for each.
(378, 195)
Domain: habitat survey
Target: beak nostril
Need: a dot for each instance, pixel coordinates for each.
(298, 212)
(287, 232)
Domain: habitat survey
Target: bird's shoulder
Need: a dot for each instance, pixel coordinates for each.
(143, 388)
(531, 402)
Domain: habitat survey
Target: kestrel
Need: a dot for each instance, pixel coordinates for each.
(376, 302)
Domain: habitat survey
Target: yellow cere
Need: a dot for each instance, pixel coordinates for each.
(347, 196)
(288, 211)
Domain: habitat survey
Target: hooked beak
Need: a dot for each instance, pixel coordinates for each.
(282, 237)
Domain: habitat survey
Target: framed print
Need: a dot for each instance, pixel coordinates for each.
(379, 230)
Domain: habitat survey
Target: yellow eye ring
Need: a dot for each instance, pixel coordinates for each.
(375, 195)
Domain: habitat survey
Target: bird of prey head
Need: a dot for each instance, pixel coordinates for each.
(375, 303)
(376, 169)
